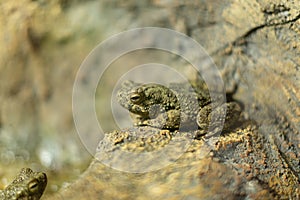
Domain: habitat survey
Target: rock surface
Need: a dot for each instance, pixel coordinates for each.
(141, 163)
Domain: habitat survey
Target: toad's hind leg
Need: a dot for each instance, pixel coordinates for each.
(221, 118)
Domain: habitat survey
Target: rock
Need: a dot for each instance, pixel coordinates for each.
(241, 164)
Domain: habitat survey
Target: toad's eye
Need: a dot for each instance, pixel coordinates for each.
(135, 98)
(33, 185)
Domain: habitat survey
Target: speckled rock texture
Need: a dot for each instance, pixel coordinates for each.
(240, 165)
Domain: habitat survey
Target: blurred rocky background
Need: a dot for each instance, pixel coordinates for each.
(255, 44)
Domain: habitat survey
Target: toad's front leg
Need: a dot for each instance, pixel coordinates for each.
(164, 120)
